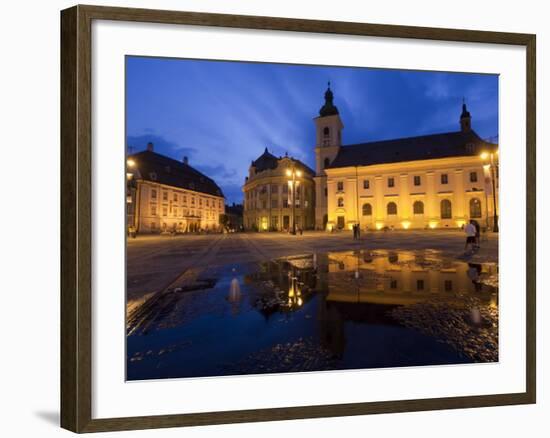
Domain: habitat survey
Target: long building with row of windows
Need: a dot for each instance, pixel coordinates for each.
(166, 195)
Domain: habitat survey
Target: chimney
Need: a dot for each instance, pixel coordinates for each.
(150, 147)
(185, 160)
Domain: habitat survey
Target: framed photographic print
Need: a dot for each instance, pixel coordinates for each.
(268, 218)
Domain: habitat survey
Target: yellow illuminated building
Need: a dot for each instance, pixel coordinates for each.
(272, 184)
(428, 182)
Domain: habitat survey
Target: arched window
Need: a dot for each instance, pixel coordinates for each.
(475, 208)
(327, 162)
(418, 207)
(391, 208)
(326, 131)
(446, 209)
(367, 210)
(340, 202)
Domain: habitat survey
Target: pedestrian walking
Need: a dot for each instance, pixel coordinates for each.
(478, 232)
(470, 231)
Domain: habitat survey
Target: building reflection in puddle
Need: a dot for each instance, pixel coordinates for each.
(392, 278)
(363, 287)
(324, 311)
(401, 278)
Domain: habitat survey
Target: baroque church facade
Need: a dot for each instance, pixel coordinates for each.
(431, 181)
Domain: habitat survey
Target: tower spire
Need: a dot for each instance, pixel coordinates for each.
(465, 118)
(328, 109)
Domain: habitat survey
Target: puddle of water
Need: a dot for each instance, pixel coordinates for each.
(328, 311)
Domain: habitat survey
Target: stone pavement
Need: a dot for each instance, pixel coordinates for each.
(156, 263)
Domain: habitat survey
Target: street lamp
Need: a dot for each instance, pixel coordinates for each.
(293, 173)
(491, 157)
(132, 198)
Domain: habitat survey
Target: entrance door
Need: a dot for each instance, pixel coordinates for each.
(341, 222)
(286, 222)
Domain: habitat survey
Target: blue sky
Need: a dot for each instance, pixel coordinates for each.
(222, 115)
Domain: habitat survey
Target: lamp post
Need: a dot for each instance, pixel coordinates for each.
(357, 200)
(293, 173)
(491, 164)
(131, 216)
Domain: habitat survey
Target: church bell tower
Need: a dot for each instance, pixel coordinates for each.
(465, 118)
(328, 127)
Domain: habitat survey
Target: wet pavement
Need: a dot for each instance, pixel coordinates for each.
(313, 312)
(155, 263)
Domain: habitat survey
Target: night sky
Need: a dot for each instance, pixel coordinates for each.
(222, 115)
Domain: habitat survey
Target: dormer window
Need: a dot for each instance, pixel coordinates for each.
(153, 176)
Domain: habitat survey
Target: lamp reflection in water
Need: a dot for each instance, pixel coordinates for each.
(294, 291)
(234, 295)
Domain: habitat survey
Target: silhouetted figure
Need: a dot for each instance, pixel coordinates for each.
(478, 230)
(470, 231)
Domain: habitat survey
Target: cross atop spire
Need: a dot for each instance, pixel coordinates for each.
(465, 112)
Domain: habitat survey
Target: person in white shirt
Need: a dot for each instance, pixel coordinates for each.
(470, 231)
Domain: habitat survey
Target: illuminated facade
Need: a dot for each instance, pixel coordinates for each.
(268, 193)
(168, 195)
(432, 181)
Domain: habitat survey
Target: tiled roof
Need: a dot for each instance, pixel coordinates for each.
(159, 168)
(268, 161)
(425, 147)
(265, 161)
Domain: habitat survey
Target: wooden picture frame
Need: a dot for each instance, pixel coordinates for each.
(76, 199)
